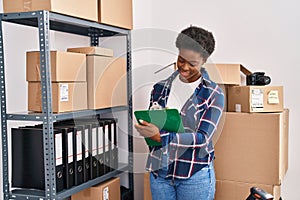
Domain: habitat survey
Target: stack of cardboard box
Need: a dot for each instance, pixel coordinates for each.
(252, 149)
(82, 78)
(112, 12)
(68, 77)
(106, 77)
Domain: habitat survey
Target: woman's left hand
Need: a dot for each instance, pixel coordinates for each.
(148, 130)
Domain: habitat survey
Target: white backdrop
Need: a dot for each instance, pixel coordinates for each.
(261, 35)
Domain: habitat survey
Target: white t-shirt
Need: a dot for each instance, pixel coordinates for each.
(181, 92)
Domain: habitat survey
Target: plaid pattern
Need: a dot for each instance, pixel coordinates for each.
(186, 153)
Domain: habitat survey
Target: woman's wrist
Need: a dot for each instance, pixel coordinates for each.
(156, 137)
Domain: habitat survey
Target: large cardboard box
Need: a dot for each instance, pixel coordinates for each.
(108, 190)
(147, 189)
(65, 66)
(93, 51)
(84, 9)
(255, 98)
(253, 148)
(116, 13)
(229, 74)
(107, 82)
(232, 190)
(65, 97)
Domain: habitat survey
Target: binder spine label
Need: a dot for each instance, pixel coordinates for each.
(100, 140)
(116, 139)
(86, 142)
(58, 149)
(78, 145)
(113, 138)
(94, 142)
(106, 138)
(70, 147)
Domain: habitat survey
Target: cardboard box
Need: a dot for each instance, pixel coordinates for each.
(253, 148)
(232, 190)
(65, 66)
(93, 51)
(84, 9)
(65, 97)
(115, 12)
(108, 190)
(147, 190)
(255, 99)
(226, 73)
(107, 82)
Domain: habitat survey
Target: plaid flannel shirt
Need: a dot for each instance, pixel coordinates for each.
(187, 152)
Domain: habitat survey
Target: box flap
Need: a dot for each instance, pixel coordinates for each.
(226, 73)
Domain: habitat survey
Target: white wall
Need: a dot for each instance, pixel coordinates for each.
(262, 35)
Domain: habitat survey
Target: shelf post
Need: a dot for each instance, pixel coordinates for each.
(3, 118)
(94, 37)
(130, 125)
(46, 89)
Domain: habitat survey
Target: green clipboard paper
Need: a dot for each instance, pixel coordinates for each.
(165, 119)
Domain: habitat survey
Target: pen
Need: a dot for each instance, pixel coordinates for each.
(164, 67)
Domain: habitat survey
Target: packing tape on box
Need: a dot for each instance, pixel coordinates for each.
(27, 5)
(38, 75)
(245, 70)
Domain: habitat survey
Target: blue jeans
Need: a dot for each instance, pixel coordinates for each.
(200, 186)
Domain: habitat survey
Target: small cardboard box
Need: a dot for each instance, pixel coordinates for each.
(66, 97)
(229, 74)
(233, 190)
(255, 99)
(147, 189)
(253, 148)
(107, 82)
(93, 51)
(65, 66)
(108, 190)
(115, 12)
(84, 9)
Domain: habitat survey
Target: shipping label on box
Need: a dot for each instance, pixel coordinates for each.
(66, 97)
(64, 92)
(257, 99)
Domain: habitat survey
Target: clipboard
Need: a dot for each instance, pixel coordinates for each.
(164, 119)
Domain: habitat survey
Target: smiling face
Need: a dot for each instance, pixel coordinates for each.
(189, 63)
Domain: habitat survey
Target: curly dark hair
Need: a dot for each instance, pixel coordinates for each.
(196, 39)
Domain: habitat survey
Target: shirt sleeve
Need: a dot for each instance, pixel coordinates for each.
(207, 125)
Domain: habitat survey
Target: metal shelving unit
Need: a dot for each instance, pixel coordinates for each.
(46, 21)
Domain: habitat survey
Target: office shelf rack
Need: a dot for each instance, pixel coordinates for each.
(45, 21)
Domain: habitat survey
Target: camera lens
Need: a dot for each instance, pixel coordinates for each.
(266, 80)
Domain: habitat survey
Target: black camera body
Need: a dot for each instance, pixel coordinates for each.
(258, 78)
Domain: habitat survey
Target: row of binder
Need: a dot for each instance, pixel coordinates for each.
(84, 149)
